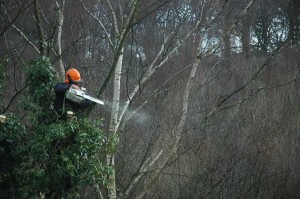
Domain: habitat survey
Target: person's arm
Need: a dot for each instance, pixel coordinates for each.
(61, 88)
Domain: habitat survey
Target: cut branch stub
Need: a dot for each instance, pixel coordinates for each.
(2, 119)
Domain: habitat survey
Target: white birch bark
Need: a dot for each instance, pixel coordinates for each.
(153, 67)
(116, 96)
(113, 128)
(113, 122)
(117, 115)
(177, 132)
(60, 21)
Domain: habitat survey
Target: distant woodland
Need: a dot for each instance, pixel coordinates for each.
(202, 98)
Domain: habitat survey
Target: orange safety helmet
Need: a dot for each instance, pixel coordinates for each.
(72, 75)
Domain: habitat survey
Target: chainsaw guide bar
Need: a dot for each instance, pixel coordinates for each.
(79, 95)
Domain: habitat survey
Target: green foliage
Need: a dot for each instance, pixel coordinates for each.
(41, 77)
(56, 158)
(112, 141)
(13, 137)
(40, 80)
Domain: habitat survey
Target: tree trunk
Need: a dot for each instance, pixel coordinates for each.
(39, 27)
(293, 17)
(60, 21)
(246, 36)
(113, 124)
(177, 132)
(226, 35)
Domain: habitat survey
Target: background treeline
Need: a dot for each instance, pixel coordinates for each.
(209, 89)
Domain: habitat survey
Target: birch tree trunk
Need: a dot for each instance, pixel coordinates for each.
(113, 124)
(117, 114)
(177, 132)
(60, 21)
(117, 68)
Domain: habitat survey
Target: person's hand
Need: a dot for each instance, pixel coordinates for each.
(75, 87)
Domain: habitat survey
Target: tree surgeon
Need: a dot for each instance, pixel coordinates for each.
(62, 102)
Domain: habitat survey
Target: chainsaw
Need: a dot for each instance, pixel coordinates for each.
(79, 95)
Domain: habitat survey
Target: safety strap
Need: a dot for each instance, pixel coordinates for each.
(63, 108)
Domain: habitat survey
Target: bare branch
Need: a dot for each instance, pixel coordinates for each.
(154, 66)
(39, 27)
(143, 170)
(121, 43)
(11, 22)
(101, 24)
(114, 17)
(26, 39)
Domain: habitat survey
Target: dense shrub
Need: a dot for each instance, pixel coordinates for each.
(42, 155)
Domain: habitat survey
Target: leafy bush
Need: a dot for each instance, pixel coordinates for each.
(41, 79)
(47, 156)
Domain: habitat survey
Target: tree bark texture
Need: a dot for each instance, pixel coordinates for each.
(39, 27)
(60, 21)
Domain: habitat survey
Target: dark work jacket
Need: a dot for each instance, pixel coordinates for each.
(60, 92)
